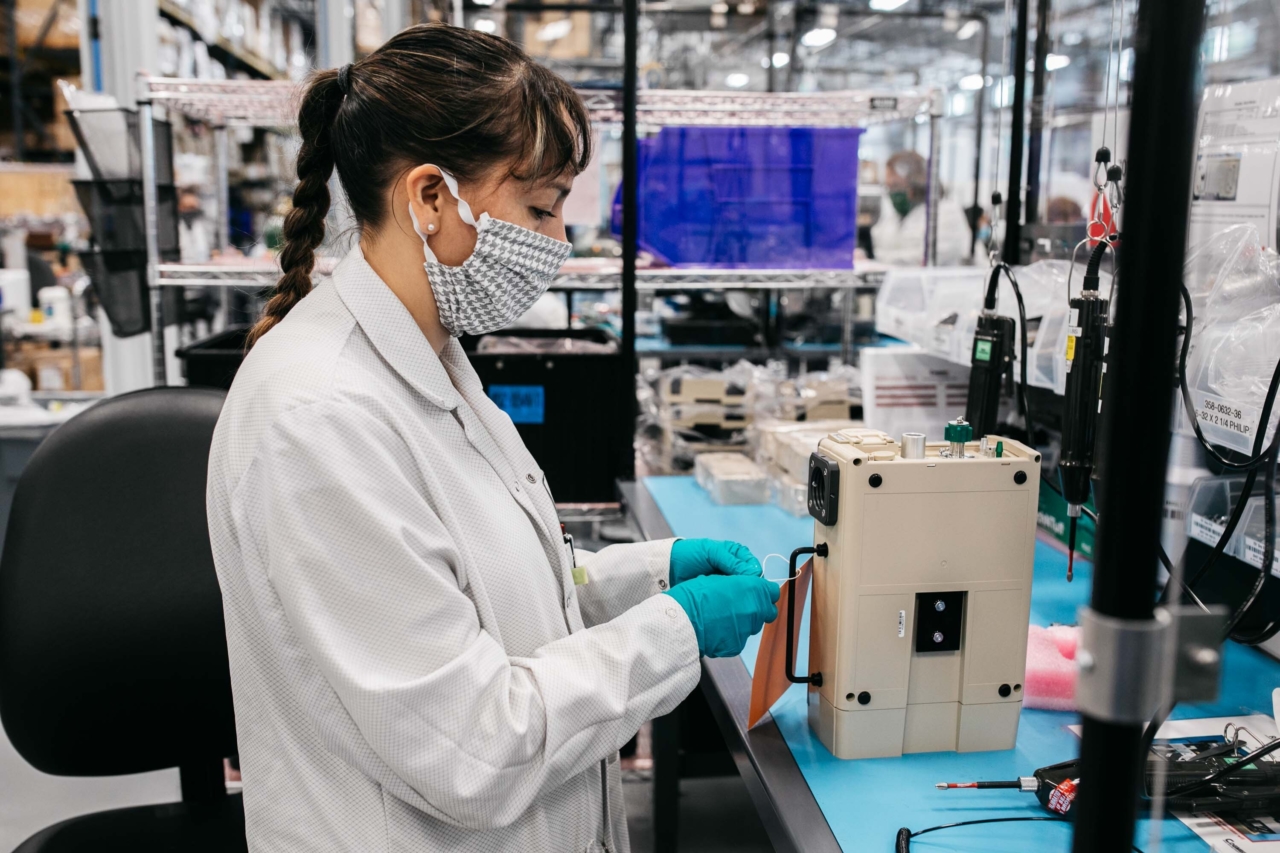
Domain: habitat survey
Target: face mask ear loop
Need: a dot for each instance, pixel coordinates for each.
(464, 209)
(429, 255)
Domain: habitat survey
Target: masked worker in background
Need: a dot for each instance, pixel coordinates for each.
(420, 662)
(898, 237)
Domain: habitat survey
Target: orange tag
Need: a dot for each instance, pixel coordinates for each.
(769, 681)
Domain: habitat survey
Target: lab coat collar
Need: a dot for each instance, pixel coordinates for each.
(391, 329)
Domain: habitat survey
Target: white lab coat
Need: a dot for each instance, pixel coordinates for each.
(413, 667)
(900, 240)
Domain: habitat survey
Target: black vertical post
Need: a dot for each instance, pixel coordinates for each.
(1036, 141)
(1137, 391)
(979, 109)
(1013, 200)
(630, 232)
(15, 80)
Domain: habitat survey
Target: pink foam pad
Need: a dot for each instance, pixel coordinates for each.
(1067, 637)
(1050, 683)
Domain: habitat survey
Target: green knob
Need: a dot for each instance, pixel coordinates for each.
(958, 431)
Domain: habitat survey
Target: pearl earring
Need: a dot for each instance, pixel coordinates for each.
(430, 227)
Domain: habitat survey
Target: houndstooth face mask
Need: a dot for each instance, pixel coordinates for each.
(508, 270)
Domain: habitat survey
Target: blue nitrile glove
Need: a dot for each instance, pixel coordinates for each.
(691, 558)
(726, 609)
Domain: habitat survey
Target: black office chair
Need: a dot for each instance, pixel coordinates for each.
(113, 653)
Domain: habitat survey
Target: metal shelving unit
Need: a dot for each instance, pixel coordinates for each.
(273, 104)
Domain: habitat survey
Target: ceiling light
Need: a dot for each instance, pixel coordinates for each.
(746, 8)
(764, 62)
(1054, 61)
(969, 30)
(719, 8)
(1072, 38)
(483, 2)
(818, 37)
(736, 80)
(828, 15)
(781, 60)
(555, 30)
(971, 82)
(887, 5)
(485, 25)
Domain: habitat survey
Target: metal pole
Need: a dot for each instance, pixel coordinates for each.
(933, 193)
(1036, 142)
(146, 134)
(1013, 200)
(979, 108)
(15, 80)
(630, 230)
(222, 223)
(1140, 374)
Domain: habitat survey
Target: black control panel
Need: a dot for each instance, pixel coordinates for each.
(824, 488)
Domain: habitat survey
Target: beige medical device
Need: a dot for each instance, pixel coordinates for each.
(921, 591)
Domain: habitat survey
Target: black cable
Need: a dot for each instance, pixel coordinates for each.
(903, 842)
(1258, 456)
(1222, 773)
(1269, 546)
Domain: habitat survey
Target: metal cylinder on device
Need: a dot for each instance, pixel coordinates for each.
(957, 433)
(912, 445)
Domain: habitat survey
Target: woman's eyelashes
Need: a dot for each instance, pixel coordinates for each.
(541, 215)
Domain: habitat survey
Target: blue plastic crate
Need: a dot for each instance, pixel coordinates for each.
(750, 197)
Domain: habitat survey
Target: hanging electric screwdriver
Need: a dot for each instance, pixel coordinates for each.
(1086, 351)
(990, 364)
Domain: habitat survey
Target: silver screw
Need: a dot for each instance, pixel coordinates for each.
(939, 605)
(937, 636)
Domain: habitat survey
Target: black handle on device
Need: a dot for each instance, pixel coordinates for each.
(813, 678)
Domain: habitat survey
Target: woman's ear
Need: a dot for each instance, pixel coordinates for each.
(425, 187)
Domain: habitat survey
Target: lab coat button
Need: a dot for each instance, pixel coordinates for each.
(531, 478)
(662, 584)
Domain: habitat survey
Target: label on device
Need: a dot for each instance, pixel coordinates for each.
(1061, 797)
(1206, 531)
(1253, 549)
(525, 404)
(981, 350)
(1071, 347)
(1231, 423)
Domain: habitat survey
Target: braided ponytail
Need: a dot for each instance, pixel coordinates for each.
(304, 224)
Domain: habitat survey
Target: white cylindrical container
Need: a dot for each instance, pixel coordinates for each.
(55, 304)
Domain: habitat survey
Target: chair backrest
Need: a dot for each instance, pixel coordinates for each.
(113, 654)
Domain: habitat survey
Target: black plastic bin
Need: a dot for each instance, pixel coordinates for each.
(120, 280)
(213, 361)
(111, 144)
(117, 218)
(576, 428)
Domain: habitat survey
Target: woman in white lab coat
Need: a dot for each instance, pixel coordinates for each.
(419, 663)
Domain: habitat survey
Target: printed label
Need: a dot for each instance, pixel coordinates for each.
(1242, 420)
(1061, 797)
(1253, 549)
(1071, 347)
(1204, 530)
(1073, 317)
(982, 350)
(902, 623)
(525, 404)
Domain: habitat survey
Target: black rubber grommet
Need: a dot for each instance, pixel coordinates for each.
(875, 480)
(864, 698)
(1020, 477)
(1004, 691)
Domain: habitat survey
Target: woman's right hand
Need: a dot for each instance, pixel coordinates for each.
(726, 609)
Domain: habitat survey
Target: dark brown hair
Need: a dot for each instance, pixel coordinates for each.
(463, 100)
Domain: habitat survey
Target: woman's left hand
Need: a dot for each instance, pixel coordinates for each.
(691, 558)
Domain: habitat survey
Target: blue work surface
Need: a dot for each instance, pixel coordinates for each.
(866, 801)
